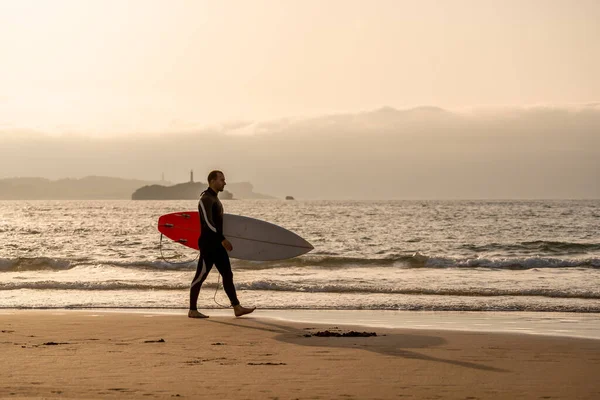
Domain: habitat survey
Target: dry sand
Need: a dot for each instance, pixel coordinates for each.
(77, 354)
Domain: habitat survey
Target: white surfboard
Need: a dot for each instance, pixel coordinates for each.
(252, 239)
(257, 240)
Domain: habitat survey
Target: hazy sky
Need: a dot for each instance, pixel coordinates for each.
(422, 153)
(113, 66)
(288, 94)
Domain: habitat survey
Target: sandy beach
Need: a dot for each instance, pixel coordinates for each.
(81, 354)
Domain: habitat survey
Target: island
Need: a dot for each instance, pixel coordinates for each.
(181, 191)
(191, 190)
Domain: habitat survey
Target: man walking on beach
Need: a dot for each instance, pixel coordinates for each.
(213, 247)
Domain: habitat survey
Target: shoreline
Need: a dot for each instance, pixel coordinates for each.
(91, 354)
(567, 325)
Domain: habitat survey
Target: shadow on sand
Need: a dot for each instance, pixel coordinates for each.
(394, 344)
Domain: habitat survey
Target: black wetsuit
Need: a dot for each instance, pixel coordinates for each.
(212, 251)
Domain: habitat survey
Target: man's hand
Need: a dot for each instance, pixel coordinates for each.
(227, 245)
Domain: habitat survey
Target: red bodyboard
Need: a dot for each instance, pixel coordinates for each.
(181, 227)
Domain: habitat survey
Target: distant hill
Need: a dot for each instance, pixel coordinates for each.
(95, 188)
(245, 190)
(90, 187)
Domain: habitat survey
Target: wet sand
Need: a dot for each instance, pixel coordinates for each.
(68, 354)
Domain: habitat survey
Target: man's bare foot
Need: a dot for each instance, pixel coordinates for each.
(239, 310)
(196, 314)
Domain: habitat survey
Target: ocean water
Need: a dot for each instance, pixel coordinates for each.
(382, 255)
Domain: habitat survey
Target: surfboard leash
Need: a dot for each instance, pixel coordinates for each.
(171, 262)
(216, 290)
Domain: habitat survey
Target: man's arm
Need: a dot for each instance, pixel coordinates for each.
(206, 207)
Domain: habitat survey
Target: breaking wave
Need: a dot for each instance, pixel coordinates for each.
(34, 264)
(416, 260)
(308, 287)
